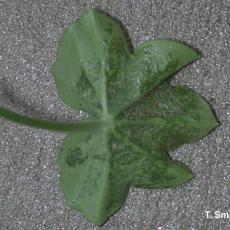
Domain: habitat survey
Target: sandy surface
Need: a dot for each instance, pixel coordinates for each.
(30, 197)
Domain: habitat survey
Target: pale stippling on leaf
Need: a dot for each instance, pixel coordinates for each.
(135, 116)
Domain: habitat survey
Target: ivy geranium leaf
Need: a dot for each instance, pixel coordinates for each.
(145, 117)
(135, 116)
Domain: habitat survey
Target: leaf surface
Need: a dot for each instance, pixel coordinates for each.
(98, 169)
(96, 72)
(168, 117)
(91, 51)
(142, 116)
(151, 63)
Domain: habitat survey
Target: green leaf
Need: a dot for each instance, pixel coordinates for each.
(133, 152)
(136, 117)
(145, 119)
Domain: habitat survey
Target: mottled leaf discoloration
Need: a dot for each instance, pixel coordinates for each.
(144, 117)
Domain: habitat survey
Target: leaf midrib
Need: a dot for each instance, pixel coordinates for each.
(103, 96)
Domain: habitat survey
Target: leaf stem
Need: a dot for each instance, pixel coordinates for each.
(50, 125)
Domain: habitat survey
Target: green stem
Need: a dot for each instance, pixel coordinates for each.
(50, 125)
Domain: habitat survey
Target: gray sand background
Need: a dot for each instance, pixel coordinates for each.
(30, 197)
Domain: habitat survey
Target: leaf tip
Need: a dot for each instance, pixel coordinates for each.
(180, 172)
